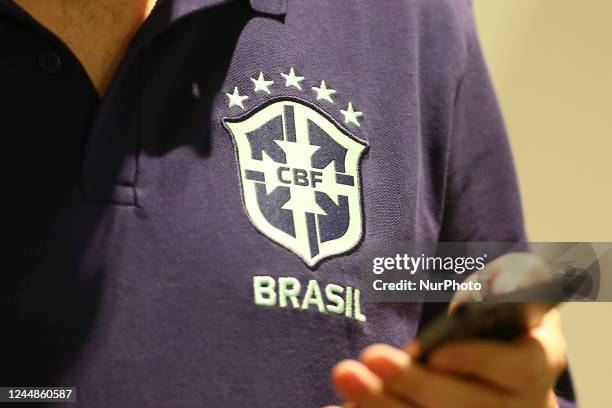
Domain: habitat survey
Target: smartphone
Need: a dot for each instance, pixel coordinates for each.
(504, 317)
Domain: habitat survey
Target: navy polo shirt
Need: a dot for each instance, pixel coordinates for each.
(192, 238)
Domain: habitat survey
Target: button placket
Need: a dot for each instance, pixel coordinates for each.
(50, 62)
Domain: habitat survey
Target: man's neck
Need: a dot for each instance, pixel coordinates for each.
(97, 31)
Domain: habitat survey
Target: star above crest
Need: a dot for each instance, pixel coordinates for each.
(292, 80)
(323, 92)
(351, 115)
(235, 99)
(263, 85)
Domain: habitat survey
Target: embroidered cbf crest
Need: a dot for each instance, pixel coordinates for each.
(300, 176)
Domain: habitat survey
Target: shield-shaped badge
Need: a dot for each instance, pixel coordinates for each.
(300, 176)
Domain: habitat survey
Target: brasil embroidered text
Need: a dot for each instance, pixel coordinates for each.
(287, 291)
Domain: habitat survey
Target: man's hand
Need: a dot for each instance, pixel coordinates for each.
(466, 374)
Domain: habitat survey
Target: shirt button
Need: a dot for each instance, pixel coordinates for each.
(50, 62)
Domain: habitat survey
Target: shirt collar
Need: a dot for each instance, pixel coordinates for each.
(271, 7)
(180, 8)
(165, 13)
(168, 12)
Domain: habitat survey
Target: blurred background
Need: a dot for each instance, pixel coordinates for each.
(551, 62)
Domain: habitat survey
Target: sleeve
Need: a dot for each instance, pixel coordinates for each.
(482, 200)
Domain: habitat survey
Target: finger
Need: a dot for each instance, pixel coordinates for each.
(513, 367)
(408, 381)
(379, 402)
(385, 361)
(357, 384)
(550, 335)
(413, 348)
(346, 405)
(385, 401)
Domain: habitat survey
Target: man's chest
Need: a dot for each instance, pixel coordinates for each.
(301, 143)
(221, 197)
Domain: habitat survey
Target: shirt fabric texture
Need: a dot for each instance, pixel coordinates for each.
(129, 262)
